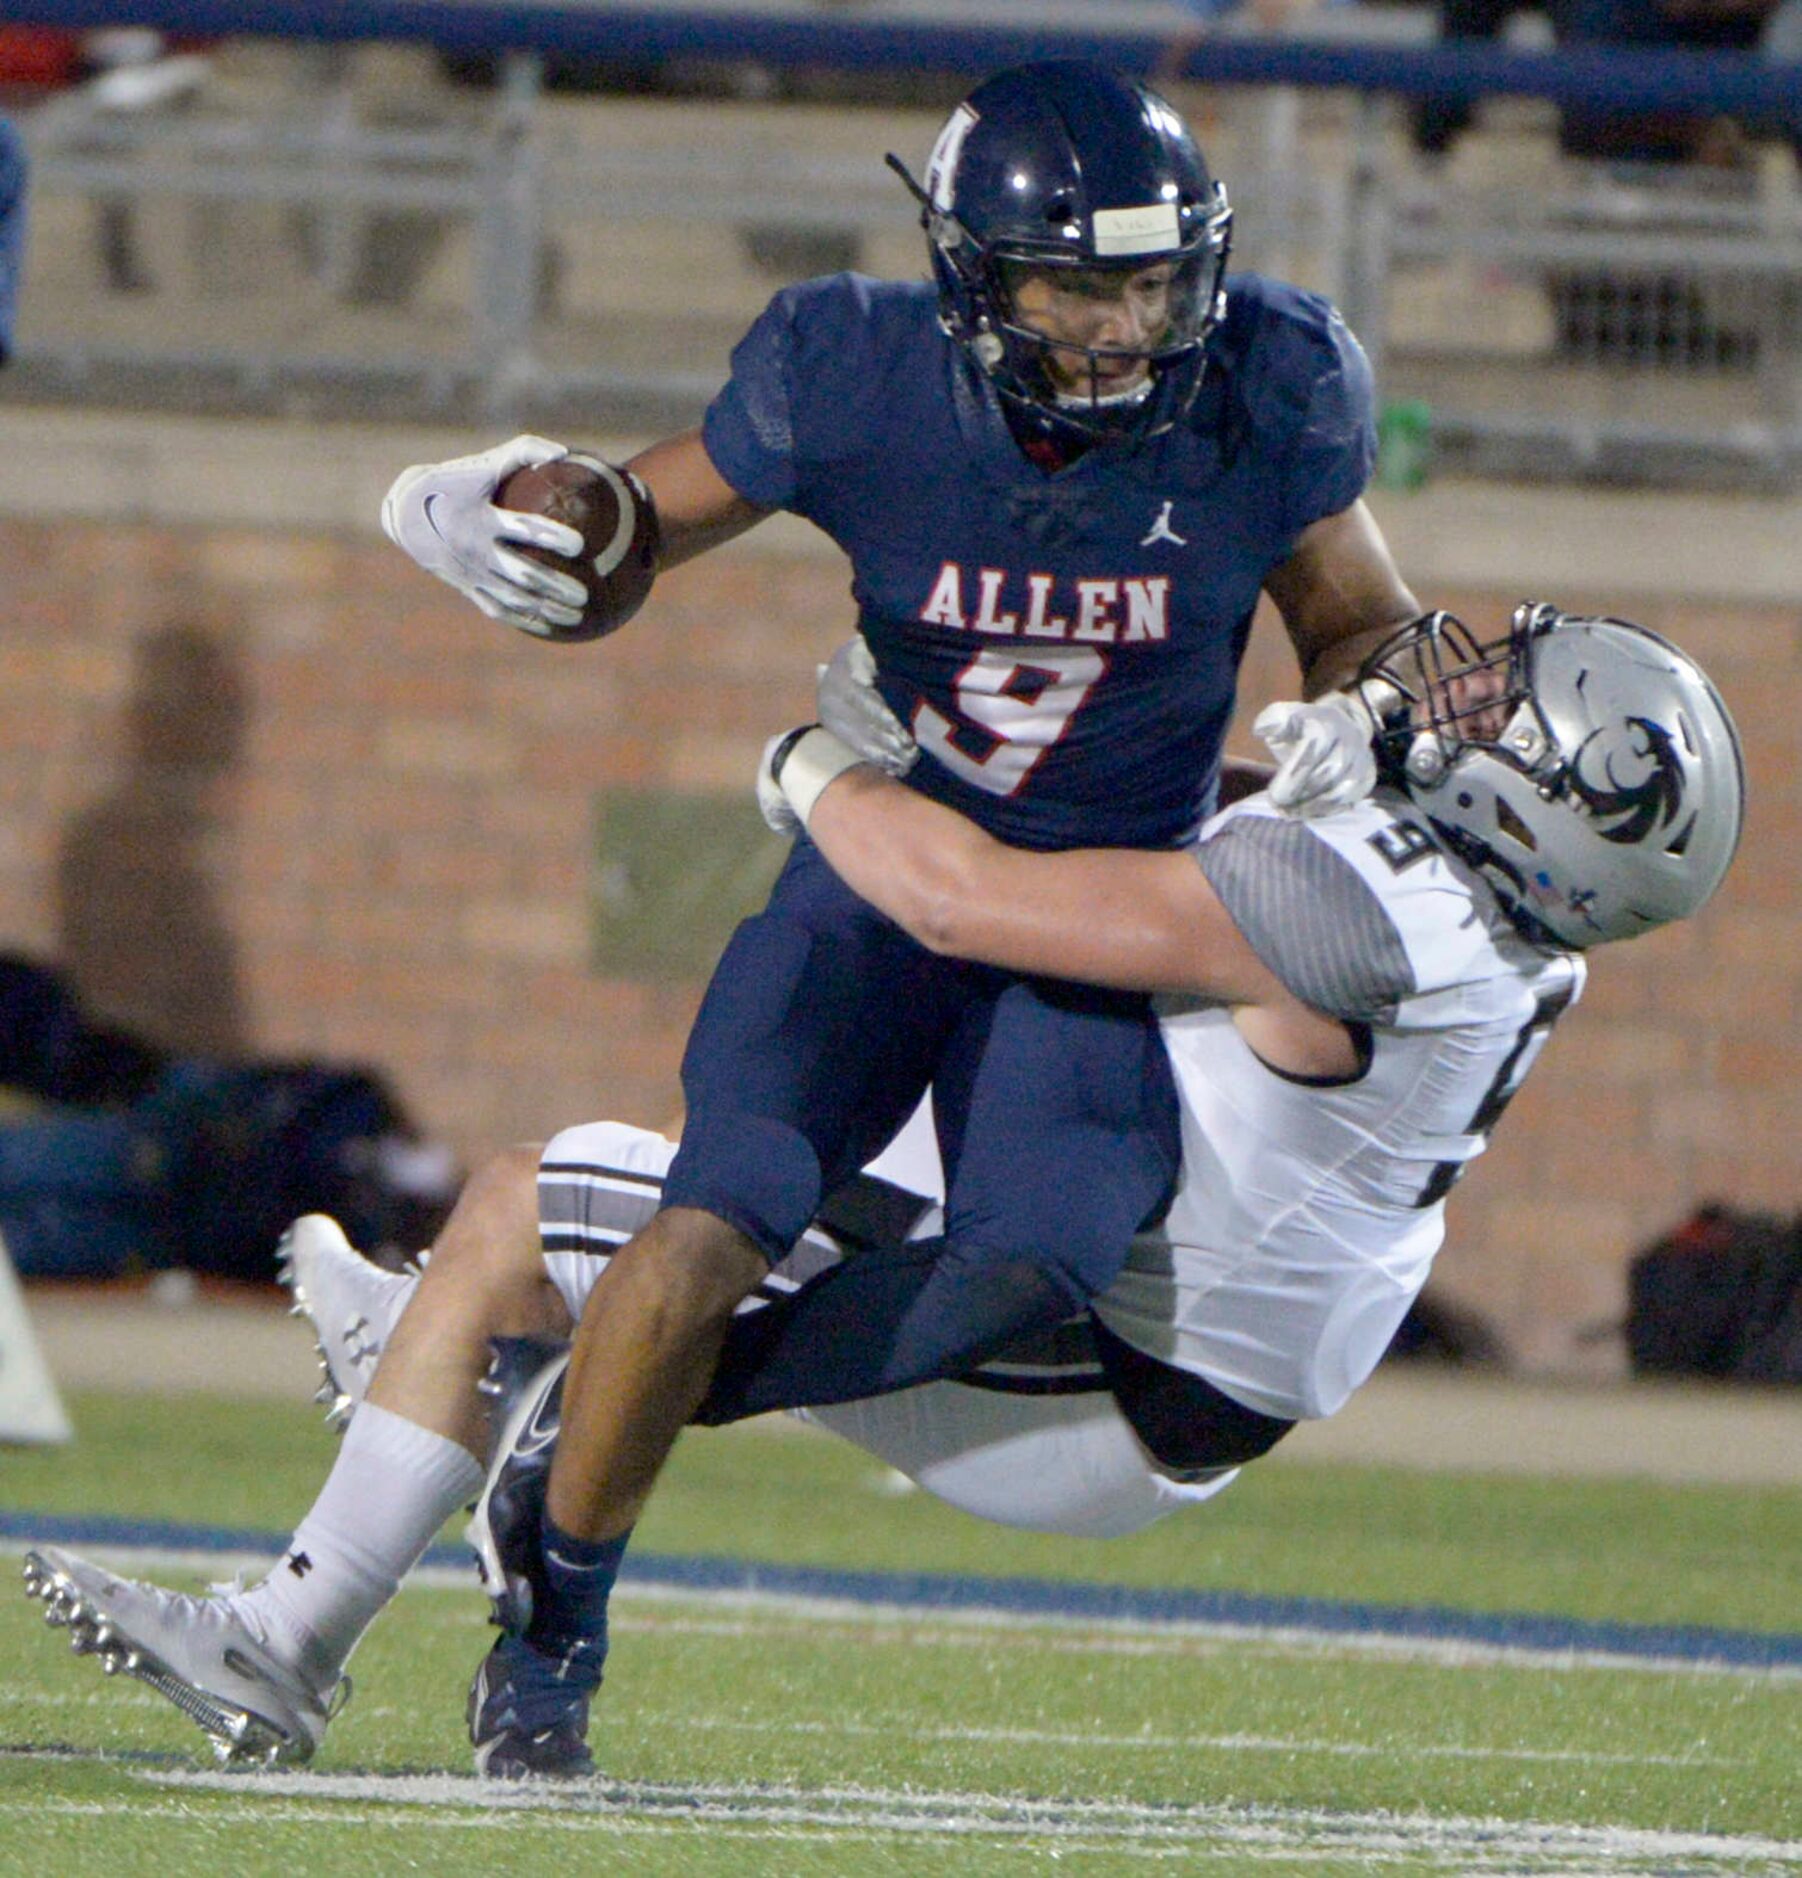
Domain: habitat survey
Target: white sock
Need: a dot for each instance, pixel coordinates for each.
(392, 1486)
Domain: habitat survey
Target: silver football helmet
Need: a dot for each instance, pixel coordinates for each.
(1586, 768)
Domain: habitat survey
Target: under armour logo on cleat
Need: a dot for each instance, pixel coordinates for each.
(361, 1349)
(1162, 531)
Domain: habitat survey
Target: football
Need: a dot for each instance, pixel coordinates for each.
(612, 512)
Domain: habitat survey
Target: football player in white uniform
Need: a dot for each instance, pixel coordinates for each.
(1351, 1000)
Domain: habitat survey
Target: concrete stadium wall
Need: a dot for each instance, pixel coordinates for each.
(269, 790)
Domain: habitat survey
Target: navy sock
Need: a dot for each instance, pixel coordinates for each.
(569, 1608)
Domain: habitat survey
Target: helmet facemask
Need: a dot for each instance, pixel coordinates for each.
(1082, 384)
(1449, 692)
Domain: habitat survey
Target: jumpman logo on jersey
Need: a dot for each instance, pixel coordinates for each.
(1162, 531)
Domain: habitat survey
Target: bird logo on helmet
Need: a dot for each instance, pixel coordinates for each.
(1067, 172)
(1584, 766)
(1630, 811)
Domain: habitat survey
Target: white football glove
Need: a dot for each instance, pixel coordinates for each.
(442, 515)
(793, 772)
(1323, 756)
(853, 710)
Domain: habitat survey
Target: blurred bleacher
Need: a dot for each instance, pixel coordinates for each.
(393, 230)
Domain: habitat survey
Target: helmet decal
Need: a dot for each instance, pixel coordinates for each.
(1153, 229)
(941, 166)
(1630, 812)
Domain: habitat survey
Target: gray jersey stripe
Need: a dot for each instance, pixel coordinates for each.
(1308, 916)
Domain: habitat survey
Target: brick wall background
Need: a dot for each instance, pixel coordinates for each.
(277, 793)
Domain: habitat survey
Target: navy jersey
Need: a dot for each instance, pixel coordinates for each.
(1065, 646)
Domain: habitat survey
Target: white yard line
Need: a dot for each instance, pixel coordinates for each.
(451, 1803)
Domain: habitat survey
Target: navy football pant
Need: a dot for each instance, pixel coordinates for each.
(1056, 1113)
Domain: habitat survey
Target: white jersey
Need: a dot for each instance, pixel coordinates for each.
(1308, 1212)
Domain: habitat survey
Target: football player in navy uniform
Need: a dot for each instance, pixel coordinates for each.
(1063, 474)
(1359, 995)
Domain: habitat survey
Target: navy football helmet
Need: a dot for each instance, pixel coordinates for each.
(1585, 767)
(1059, 166)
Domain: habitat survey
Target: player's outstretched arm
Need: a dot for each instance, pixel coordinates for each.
(1132, 920)
(1103, 916)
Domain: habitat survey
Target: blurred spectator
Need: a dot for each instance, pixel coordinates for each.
(1782, 41)
(1663, 136)
(1640, 137)
(12, 231)
(1438, 122)
(1263, 16)
(38, 57)
(121, 70)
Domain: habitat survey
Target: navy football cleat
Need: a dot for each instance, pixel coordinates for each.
(528, 1714)
(525, 1380)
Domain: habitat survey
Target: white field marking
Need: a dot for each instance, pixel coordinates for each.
(949, 1628)
(1142, 1743)
(745, 1830)
(1475, 1845)
(1098, 1636)
(1185, 1743)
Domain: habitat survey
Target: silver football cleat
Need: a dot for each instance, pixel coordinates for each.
(197, 1652)
(350, 1301)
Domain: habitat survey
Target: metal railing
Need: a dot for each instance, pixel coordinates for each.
(298, 239)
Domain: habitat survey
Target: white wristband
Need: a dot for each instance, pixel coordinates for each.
(813, 760)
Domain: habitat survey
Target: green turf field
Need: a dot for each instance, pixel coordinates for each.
(763, 1736)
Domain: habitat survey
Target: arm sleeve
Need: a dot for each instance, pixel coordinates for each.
(1309, 915)
(807, 392)
(749, 429)
(1335, 438)
(12, 230)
